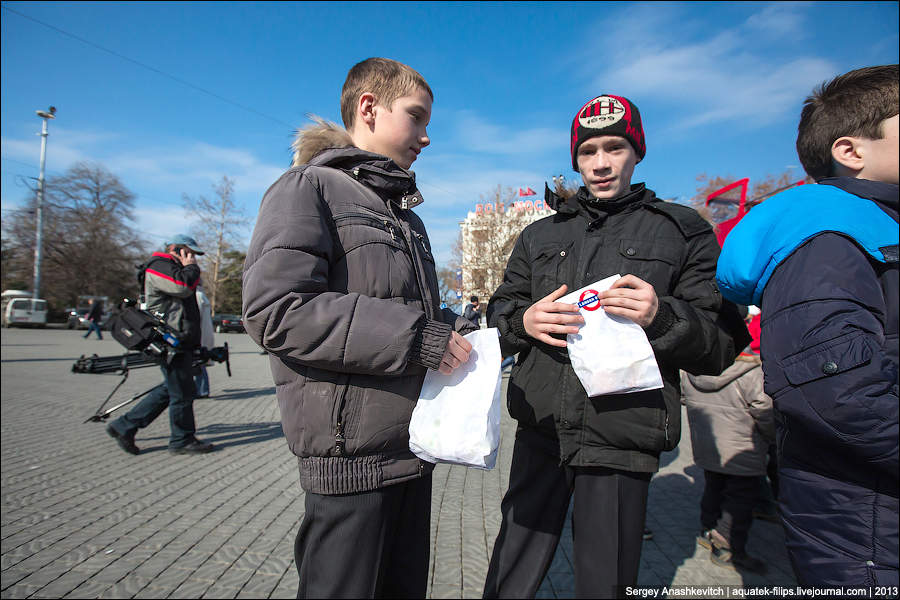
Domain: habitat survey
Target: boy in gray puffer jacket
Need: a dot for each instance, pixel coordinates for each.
(732, 425)
(340, 289)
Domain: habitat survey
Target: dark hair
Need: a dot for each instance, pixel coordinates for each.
(852, 104)
(473, 299)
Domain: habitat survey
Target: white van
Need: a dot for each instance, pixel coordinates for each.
(20, 309)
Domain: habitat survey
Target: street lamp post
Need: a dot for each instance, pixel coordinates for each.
(39, 213)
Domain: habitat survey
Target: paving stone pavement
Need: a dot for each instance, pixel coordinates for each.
(82, 519)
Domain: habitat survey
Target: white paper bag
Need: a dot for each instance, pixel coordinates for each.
(610, 354)
(457, 417)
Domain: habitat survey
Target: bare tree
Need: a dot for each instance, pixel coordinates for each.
(89, 244)
(447, 286)
(218, 223)
(727, 208)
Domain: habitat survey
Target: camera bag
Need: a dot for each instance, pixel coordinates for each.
(134, 328)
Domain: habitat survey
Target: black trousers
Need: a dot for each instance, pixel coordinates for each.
(367, 545)
(727, 506)
(607, 525)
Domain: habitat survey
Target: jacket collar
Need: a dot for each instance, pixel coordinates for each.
(592, 208)
(885, 195)
(375, 171)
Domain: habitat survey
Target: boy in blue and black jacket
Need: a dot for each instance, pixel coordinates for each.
(822, 262)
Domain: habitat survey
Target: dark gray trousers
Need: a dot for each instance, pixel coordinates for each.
(372, 544)
(607, 525)
(727, 506)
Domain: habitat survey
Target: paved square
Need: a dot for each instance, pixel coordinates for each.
(82, 519)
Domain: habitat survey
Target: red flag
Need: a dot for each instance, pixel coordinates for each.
(526, 192)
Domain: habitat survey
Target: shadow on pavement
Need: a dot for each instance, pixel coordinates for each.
(678, 487)
(223, 436)
(242, 394)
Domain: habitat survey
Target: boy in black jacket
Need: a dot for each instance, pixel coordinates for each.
(603, 449)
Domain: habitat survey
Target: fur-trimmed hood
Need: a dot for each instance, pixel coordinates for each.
(316, 137)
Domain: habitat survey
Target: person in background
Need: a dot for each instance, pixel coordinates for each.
(732, 425)
(169, 288)
(473, 311)
(93, 318)
(207, 340)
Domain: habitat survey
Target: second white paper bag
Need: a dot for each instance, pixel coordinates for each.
(457, 417)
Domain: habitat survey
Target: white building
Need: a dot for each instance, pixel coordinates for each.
(488, 235)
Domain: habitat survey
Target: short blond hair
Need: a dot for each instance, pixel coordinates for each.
(385, 78)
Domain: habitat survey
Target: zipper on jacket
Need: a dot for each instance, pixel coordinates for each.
(339, 440)
(666, 427)
(421, 239)
(427, 298)
(390, 228)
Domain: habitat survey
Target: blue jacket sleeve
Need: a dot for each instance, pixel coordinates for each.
(828, 363)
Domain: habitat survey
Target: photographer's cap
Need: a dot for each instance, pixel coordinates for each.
(184, 240)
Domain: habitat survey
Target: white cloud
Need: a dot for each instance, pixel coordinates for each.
(726, 75)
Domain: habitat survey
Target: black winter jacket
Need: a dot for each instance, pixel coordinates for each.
(340, 288)
(667, 245)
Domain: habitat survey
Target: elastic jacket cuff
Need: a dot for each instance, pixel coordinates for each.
(662, 322)
(430, 343)
(517, 324)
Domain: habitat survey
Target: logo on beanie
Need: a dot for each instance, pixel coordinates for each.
(601, 112)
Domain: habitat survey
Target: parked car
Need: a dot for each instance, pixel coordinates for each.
(226, 323)
(19, 309)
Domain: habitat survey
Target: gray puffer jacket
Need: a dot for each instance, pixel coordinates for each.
(340, 288)
(731, 419)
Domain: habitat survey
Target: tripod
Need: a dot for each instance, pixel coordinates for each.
(138, 360)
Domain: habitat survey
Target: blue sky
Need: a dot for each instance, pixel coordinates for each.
(719, 87)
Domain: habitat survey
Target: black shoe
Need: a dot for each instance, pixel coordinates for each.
(195, 446)
(739, 561)
(125, 443)
(647, 535)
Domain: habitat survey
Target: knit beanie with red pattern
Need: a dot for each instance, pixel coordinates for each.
(608, 115)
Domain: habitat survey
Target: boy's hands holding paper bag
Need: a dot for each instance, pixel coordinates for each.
(629, 297)
(456, 354)
(608, 349)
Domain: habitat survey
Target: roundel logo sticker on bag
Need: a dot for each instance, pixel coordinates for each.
(589, 300)
(601, 112)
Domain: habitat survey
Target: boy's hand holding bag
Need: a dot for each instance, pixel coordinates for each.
(610, 354)
(457, 417)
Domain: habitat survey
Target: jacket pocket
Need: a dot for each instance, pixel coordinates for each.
(653, 261)
(551, 267)
(828, 359)
(358, 229)
(372, 258)
(837, 383)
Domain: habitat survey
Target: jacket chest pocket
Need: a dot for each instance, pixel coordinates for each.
(552, 266)
(372, 258)
(654, 261)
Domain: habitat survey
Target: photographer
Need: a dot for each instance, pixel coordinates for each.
(169, 285)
